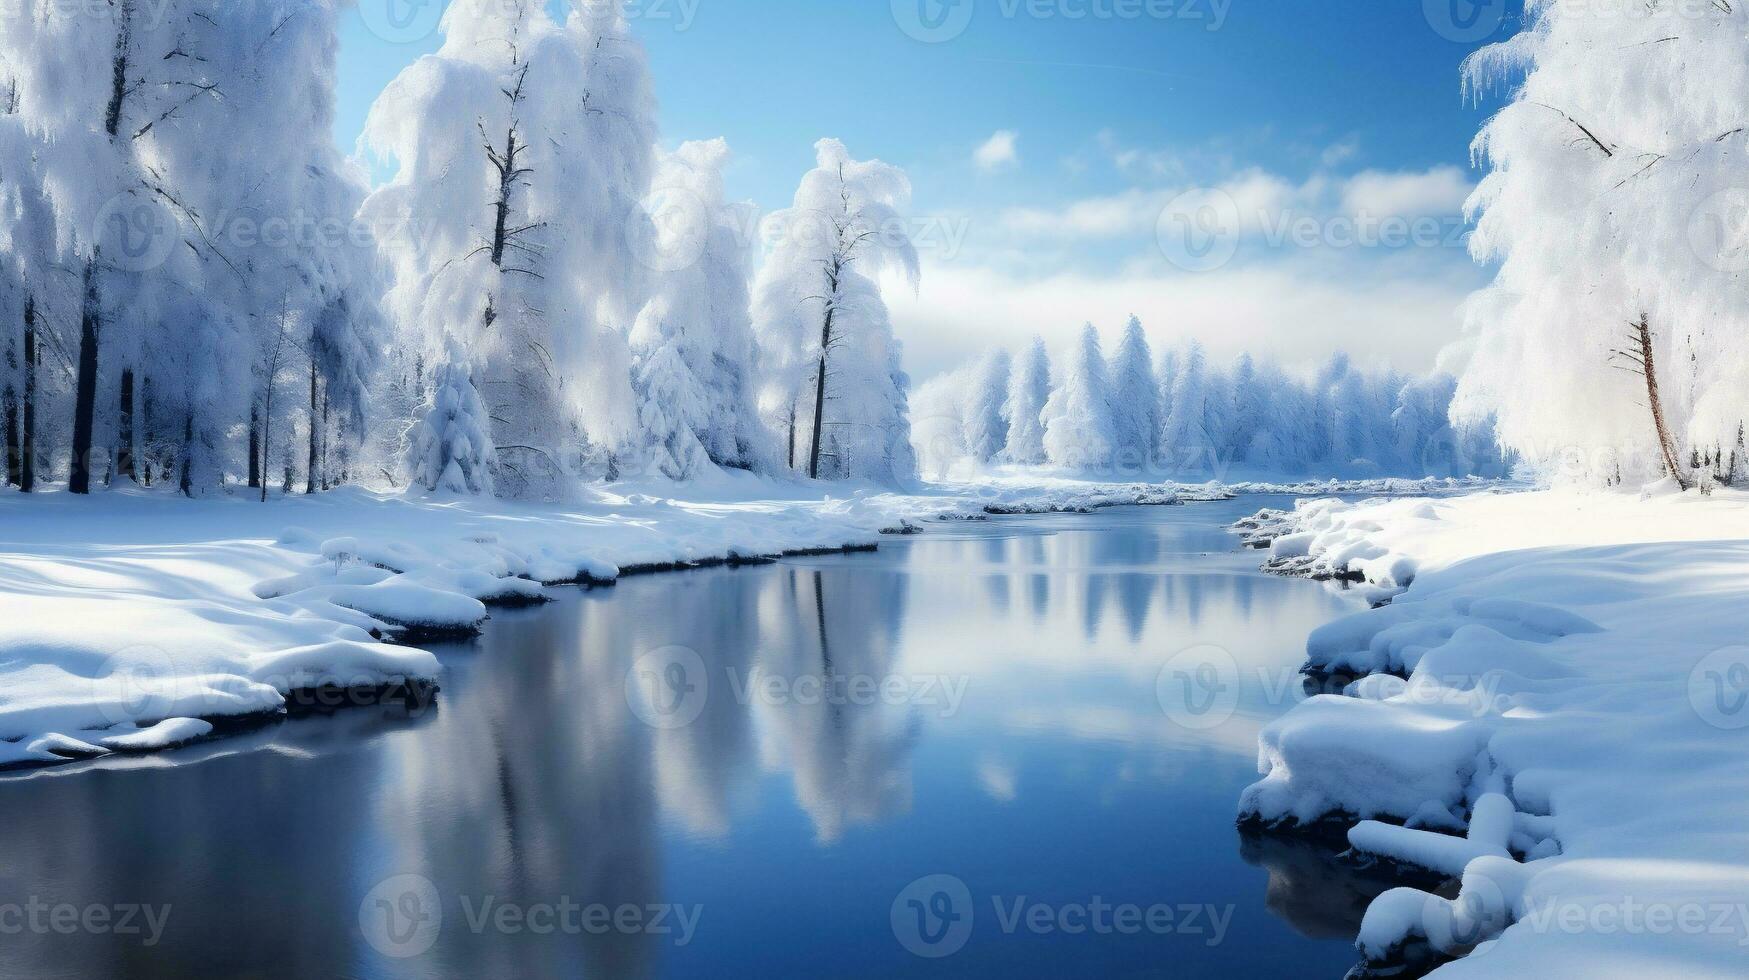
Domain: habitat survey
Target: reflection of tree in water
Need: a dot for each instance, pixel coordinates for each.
(699, 766)
(534, 798)
(1135, 595)
(840, 626)
(996, 571)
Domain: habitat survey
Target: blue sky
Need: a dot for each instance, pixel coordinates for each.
(1301, 113)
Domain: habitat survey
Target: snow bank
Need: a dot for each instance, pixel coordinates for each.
(1564, 731)
(134, 608)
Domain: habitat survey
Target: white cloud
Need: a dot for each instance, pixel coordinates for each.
(1000, 150)
(1407, 194)
(1339, 153)
(1262, 198)
(1296, 310)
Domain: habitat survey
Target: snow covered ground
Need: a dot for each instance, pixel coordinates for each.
(129, 609)
(1554, 707)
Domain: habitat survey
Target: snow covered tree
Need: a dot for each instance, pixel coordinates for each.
(524, 147)
(450, 448)
(693, 342)
(1028, 391)
(1249, 409)
(175, 239)
(986, 424)
(1187, 441)
(1342, 422)
(100, 136)
(1080, 431)
(941, 416)
(1135, 397)
(826, 344)
(1612, 208)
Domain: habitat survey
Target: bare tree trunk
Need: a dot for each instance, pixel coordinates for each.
(124, 446)
(820, 394)
(254, 445)
(324, 454)
(148, 410)
(9, 437)
(792, 433)
(310, 476)
(1643, 335)
(118, 86)
(187, 483)
(27, 434)
(85, 386)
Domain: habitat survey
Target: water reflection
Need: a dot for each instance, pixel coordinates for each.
(1014, 739)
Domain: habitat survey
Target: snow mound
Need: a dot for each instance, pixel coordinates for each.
(1545, 710)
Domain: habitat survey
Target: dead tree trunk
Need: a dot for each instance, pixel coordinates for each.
(1646, 366)
(85, 386)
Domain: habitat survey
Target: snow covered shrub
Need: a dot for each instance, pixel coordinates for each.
(450, 448)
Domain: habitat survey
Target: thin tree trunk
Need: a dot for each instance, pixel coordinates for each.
(187, 484)
(118, 85)
(1643, 332)
(9, 438)
(820, 395)
(792, 433)
(124, 447)
(148, 411)
(85, 387)
(324, 454)
(310, 477)
(254, 445)
(27, 434)
(267, 440)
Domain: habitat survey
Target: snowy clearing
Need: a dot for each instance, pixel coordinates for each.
(1569, 738)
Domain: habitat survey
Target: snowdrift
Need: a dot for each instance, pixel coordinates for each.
(1551, 709)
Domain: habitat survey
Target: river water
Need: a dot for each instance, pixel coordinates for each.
(1004, 748)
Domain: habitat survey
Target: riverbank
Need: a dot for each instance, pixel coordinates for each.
(1554, 706)
(128, 609)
